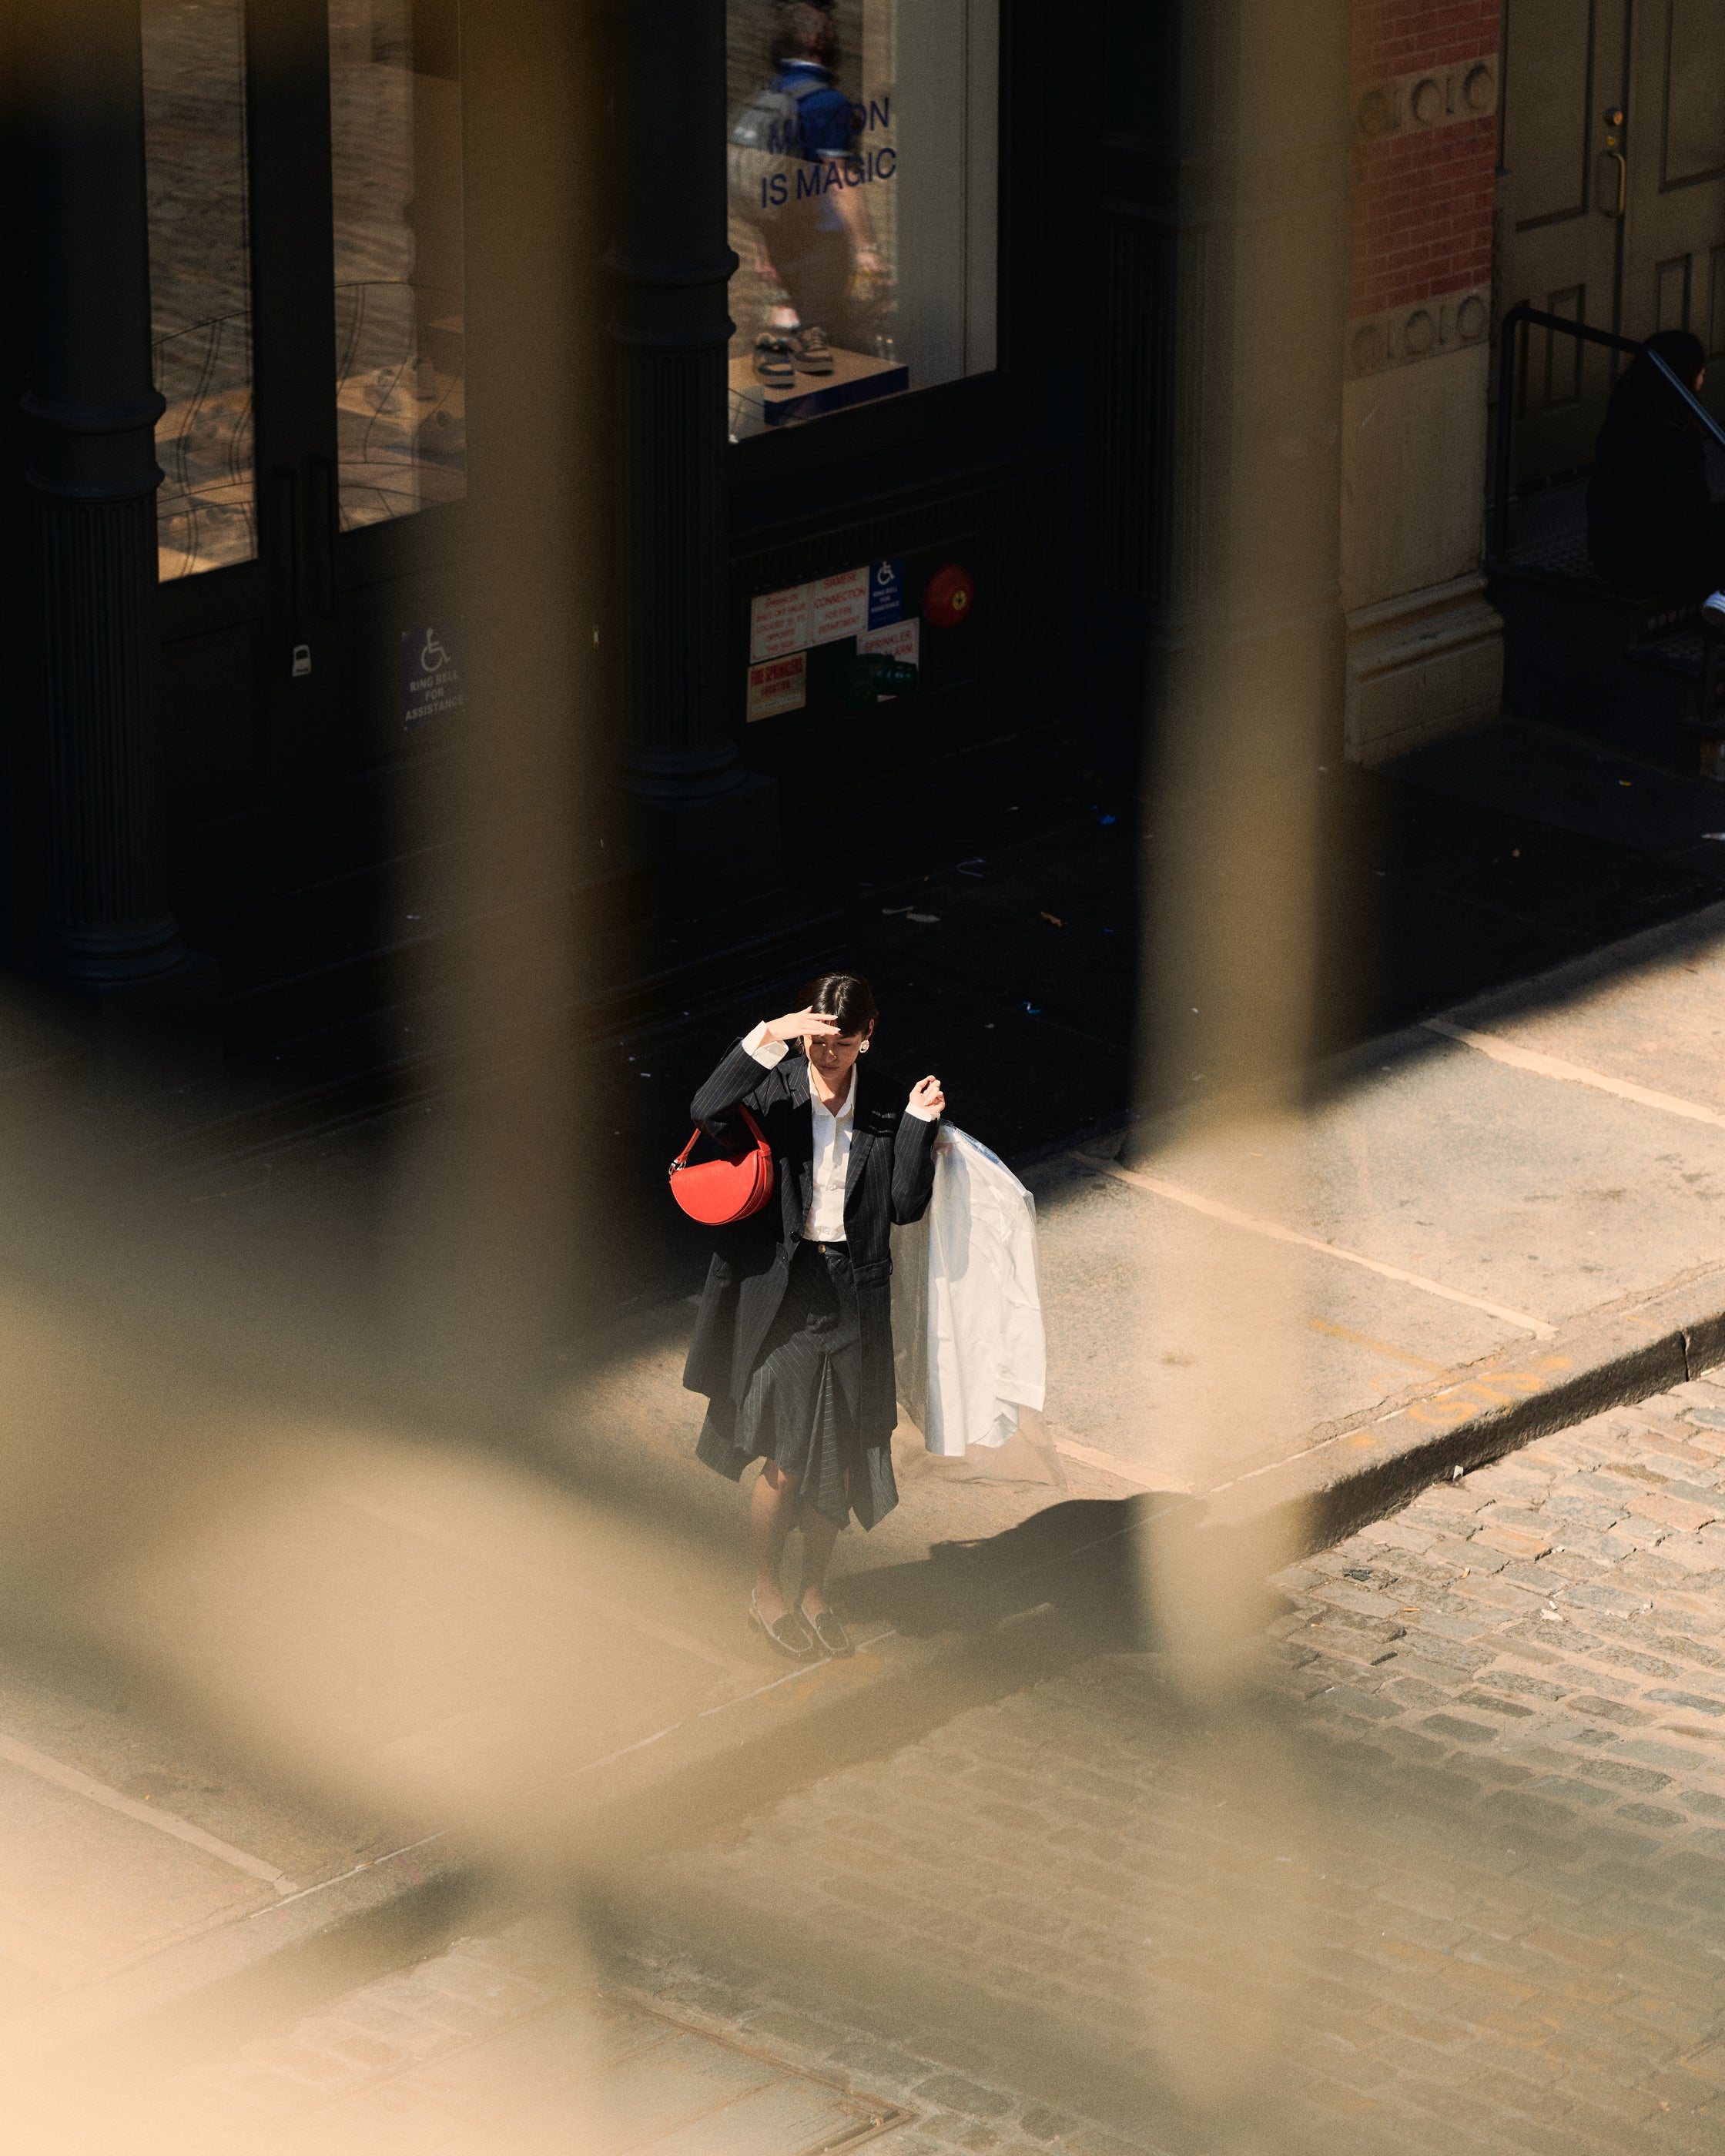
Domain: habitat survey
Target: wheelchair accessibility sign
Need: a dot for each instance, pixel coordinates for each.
(431, 673)
(886, 593)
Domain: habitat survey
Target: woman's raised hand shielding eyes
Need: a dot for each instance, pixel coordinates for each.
(798, 1025)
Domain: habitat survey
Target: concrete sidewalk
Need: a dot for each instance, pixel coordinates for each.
(1487, 1227)
(1522, 1192)
(1509, 1214)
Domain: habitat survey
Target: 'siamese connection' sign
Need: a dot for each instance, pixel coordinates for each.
(827, 611)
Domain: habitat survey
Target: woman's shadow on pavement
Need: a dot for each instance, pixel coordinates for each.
(1083, 1555)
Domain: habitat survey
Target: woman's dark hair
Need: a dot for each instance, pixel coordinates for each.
(1644, 393)
(845, 997)
(805, 33)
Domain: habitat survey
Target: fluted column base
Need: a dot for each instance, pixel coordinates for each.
(106, 922)
(146, 1035)
(708, 852)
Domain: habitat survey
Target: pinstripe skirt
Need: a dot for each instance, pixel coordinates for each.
(800, 1409)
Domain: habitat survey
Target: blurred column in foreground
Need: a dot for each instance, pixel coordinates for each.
(711, 826)
(94, 475)
(1245, 698)
(484, 1252)
(1245, 695)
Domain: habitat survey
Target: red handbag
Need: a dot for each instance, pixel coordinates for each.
(718, 1191)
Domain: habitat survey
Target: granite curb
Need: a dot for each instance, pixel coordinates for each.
(1358, 1469)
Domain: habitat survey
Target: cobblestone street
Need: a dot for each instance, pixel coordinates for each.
(1445, 1870)
(1455, 1878)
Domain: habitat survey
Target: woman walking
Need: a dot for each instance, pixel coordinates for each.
(794, 1344)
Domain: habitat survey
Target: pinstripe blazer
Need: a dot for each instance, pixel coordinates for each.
(888, 1179)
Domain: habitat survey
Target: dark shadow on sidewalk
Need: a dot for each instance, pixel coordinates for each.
(1082, 1556)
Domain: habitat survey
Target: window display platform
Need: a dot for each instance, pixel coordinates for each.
(855, 379)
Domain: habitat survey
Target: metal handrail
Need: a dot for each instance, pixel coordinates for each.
(1513, 321)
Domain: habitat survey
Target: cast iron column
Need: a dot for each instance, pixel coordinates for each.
(670, 262)
(94, 475)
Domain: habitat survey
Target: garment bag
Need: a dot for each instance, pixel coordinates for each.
(966, 1317)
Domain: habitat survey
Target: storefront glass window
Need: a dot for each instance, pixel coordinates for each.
(862, 163)
(194, 122)
(395, 110)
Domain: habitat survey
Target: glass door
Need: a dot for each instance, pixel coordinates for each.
(862, 156)
(395, 107)
(305, 175)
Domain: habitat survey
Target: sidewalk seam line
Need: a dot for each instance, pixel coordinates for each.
(1501, 1050)
(1523, 1321)
(437, 1537)
(48, 1769)
(371, 1864)
(1122, 1470)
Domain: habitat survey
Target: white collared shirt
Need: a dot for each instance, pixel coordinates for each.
(833, 1129)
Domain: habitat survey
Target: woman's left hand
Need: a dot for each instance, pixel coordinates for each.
(927, 1096)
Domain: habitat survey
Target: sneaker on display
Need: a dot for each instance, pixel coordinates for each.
(810, 349)
(772, 360)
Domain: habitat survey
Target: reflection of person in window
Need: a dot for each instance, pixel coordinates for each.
(820, 243)
(1652, 525)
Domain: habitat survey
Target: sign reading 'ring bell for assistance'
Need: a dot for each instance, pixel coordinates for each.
(826, 611)
(431, 672)
(778, 684)
(886, 593)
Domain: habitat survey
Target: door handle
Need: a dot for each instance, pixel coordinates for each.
(1613, 151)
(321, 516)
(285, 546)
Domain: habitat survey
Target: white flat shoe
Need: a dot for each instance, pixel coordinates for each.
(828, 1629)
(789, 1634)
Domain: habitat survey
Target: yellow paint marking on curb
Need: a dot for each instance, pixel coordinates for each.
(1523, 1320)
(46, 1769)
(1574, 1074)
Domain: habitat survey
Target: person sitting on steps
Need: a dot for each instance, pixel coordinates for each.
(1652, 525)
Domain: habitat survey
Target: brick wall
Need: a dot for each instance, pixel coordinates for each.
(1420, 212)
(1391, 37)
